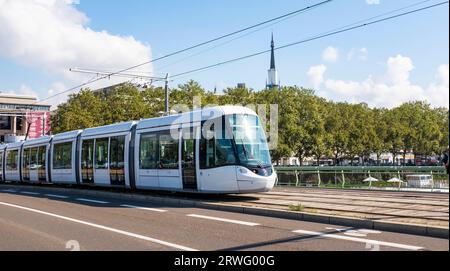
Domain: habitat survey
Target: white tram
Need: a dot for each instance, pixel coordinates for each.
(217, 150)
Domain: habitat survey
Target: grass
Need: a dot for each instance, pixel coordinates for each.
(297, 208)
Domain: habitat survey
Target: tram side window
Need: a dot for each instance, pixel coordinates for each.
(26, 158)
(101, 153)
(34, 164)
(215, 152)
(62, 156)
(12, 160)
(87, 153)
(40, 157)
(117, 152)
(168, 150)
(149, 151)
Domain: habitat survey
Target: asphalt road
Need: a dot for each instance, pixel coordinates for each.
(40, 220)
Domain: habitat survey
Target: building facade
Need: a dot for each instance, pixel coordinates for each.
(20, 115)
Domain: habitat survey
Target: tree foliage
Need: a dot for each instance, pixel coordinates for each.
(309, 126)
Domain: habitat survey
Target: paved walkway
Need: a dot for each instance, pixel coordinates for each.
(402, 207)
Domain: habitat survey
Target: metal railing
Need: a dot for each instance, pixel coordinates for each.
(353, 177)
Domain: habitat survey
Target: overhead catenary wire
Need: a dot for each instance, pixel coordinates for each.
(332, 33)
(231, 40)
(189, 48)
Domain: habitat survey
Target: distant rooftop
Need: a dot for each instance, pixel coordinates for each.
(13, 99)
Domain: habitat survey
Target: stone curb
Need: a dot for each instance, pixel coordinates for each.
(439, 232)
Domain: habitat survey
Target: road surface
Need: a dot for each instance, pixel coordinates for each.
(40, 220)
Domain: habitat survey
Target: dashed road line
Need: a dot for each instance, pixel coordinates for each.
(92, 201)
(143, 208)
(98, 226)
(225, 220)
(359, 240)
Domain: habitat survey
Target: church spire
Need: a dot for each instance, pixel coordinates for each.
(272, 81)
(272, 58)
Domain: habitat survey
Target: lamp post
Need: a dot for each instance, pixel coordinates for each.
(166, 94)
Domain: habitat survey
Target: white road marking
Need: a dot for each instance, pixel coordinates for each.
(92, 201)
(366, 231)
(369, 231)
(143, 208)
(130, 234)
(29, 193)
(56, 196)
(225, 220)
(355, 233)
(359, 240)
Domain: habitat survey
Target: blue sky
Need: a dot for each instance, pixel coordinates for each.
(406, 58)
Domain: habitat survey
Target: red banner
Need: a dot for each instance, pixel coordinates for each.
(39, 124)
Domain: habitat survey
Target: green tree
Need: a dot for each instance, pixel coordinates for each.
(443, 117)
(428, 130)
(123, 103)
(361, 130)
(395, 133)
(153, 99)
(185, 94)
(379, 142)
(281, 151)
(82, 110)
(336, 125)
(235, 96)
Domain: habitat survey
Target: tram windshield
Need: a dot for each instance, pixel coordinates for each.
(250, 140)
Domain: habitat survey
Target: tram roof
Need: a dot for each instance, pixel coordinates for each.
(193, 116)
(109, 129)
(67, 135)
(14, 145)
(37, 141)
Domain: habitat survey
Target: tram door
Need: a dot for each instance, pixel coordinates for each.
(117, 160)
(87, 161)
(41, 162)
(26, 165)
(101, 161)
(188, 158)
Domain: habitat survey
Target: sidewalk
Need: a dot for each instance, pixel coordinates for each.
(375, 205)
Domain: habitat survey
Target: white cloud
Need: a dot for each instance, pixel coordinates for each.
(392, 91)
(438, 92)
(53, 36)
(27, 90)
(361, 54)
(23, 90)
(330, 54)
(373, 2)
(316, 75)
(57, 87)
(399, 69)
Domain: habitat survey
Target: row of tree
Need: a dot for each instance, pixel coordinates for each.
(309, 126)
